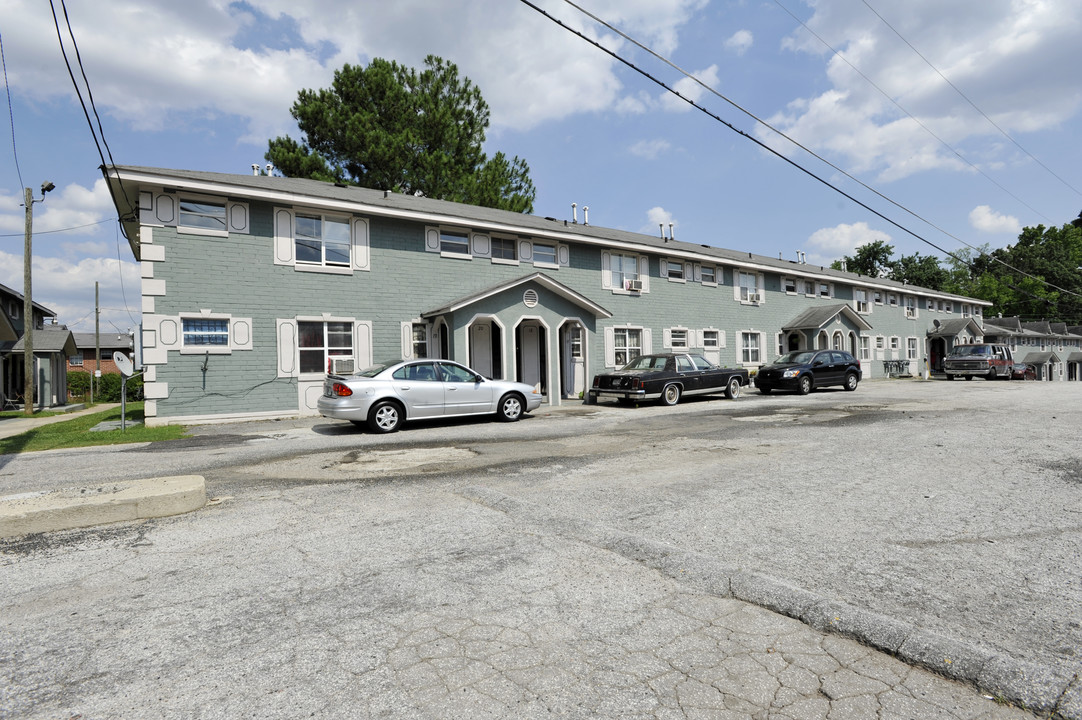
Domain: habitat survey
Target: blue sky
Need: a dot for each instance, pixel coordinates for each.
(966, 113)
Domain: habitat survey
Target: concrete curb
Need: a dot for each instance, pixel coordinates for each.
(1039, 688)
(86, 506)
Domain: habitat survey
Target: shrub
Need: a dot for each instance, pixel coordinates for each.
(106, 388)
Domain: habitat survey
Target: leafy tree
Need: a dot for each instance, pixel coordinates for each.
(922, 270)
(390, 127)
(871, 259)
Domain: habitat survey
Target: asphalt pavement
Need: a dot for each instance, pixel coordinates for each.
(716, 559)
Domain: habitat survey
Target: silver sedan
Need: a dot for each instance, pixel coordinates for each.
(386, 395)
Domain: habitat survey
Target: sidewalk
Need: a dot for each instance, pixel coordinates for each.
(9, 427)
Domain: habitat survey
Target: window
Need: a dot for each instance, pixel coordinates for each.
(865, 347)
(504, 249)
(417, 372)
(910, 306)
(625, 269)
(454, 243)
(895, 343)
(544, 254)
(930, 305)
(711, 340)
(628, 344)
(420, 340)
(892, 299)
(576, 341)
(709, 275)
(965, 310)
(205, 332)
(322, 240)
(679, 339)
(749, 347)
(675, 270)
(76, 359)
(202, 215)
(861, 297)
(319, 341)
(749, 287)
(911, 348)
(809, 287)
(824, 290)
(949, 307)
(790, 285)
(878, 297)
(880, 342)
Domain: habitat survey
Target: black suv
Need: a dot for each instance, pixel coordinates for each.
(805, 370)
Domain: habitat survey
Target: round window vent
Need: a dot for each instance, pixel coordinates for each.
(529, 298)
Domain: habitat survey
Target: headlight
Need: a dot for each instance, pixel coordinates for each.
(790, 373)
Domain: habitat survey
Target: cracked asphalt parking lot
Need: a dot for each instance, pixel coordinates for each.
(342, 574)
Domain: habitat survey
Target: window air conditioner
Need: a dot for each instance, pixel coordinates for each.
(341, 365)
(633, 285)
(753, 297)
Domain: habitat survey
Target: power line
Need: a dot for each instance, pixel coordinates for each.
(59, 230)
(965, 97)
(766, 147)
(11, 113)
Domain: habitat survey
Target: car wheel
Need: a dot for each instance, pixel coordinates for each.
(805, 385)
(991, 374)
(671, 394)
(385, 417)
(510, 408)
(765, 390)
(732, 390)
(950, 377)
(851, 381)
(969, 377)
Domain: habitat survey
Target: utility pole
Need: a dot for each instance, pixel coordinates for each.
(97, 345)
(28, 309)
(28, 303)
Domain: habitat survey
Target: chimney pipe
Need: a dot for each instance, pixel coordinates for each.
(661, 226)
(575, 213)
(255, 169)
(269, 168)
(585, 214)
(672, 235)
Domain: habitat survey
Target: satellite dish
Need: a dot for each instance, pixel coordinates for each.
(936, 323)
(123, 364)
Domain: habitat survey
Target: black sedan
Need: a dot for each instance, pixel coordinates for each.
(806, 370)
(666, 377)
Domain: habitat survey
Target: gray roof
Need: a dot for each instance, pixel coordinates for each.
(955, 326)
(377, 202)
(1076, 356)
(539, 278)
(49, 340)
(1040, 357)
(107, 341)
(817, 317)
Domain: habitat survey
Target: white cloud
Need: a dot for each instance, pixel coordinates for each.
(987, 220)
(1012, 61)
(690, 89)
(829, 244)
(740, 41)
(188, 61)
(650, 149)
(656, 216)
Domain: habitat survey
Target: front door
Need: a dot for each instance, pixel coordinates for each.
(481, 348)
(574, 372)
(531, 353)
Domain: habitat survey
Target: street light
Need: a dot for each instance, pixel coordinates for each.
(28, 303)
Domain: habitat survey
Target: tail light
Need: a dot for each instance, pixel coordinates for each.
(341, 390)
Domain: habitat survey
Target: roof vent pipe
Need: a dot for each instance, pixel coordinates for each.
(255, 169)
(672, 235)
(585, 214)
(269, 168)
(661, 227)
(575, 213)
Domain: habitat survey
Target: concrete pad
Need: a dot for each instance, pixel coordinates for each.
(37, 512)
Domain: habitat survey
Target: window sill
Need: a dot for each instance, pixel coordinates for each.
(502, 261)
(201, 231)
(204, 349)
(325, 269)
(455, 256)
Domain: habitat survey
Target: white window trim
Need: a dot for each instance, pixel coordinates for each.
(740, 349)
(502, 238)
(796, 285)
(688, 268)
(285, 252)
(557, 249)
(610, 341)
(830, 290)
(760, 288)
(721, 338)
(207, 232)
(708, 283)
(912, 312)
(643, 273)
(867, 302)
(689, 338)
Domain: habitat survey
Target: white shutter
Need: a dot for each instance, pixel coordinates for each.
(663, 268)
(283, 236)
(237, 216)
(647, 341)
(286, 332)
(693, 339)
(760, 288)
(606, 273)
(563, 255)
(170, 333)
(362, 344)
(360, 244)
(698, 277)
(480, 245)
(610, 347)
(407, 341)
(240, 334)
(644, 273)
(432, 239)
(666, 338)
(721, 338)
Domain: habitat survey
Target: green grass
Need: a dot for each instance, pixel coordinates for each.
(76, 432)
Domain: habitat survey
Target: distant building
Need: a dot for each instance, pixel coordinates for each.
(87, 345)
(1053, 349)
(254, 286)
(52, 344)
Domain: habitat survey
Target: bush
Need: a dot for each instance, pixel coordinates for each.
(106, 388)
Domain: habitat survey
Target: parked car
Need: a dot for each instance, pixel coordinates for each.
(979, 360)
(1023, 371)
(667, 377)
(805, 370)
(386, 395)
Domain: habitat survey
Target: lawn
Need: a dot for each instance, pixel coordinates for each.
(76, 432)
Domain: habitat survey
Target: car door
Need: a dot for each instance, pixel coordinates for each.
(824, 369)
(419, 387)
(465, 393)
(689, 375)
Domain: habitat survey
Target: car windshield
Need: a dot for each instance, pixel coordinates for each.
(971, 350)
(646, 362)
(798, 358)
